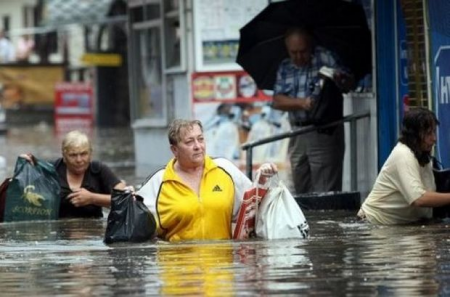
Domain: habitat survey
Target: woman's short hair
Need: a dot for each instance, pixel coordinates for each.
(177, 125)
(417, 123)
(75, 139)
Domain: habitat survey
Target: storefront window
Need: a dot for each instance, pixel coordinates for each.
(136, 14)
(171, 5)
(172, 33)
(150, 98)
(152, 11)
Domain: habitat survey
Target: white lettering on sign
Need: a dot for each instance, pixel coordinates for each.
(403, 54)
(445, 89)
(443, 85)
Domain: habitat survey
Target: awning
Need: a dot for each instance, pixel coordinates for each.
(66, 12)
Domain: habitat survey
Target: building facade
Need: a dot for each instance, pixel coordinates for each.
(182, 65)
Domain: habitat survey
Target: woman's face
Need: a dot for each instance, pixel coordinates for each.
(190, 150)
(429, 139)
(77, 159)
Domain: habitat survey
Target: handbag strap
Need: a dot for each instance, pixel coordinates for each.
(256, 183)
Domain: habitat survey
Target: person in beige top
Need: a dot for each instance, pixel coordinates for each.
(404, 191)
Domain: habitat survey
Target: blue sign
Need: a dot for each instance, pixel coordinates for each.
(441, 84)
(440, 51)
(402, 62)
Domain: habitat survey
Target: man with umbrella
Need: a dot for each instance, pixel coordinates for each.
(281, 55)
(316, 157)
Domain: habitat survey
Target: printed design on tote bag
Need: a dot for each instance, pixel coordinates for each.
(31, 197)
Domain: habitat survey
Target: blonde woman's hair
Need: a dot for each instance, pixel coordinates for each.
(176, 126)
(75, 139)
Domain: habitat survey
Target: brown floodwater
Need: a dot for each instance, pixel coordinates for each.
(342, 257)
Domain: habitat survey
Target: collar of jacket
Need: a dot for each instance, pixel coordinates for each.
(170, 174)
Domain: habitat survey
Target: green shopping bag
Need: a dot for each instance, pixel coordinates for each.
(33, 192)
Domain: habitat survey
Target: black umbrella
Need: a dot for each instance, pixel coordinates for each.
(337, 25)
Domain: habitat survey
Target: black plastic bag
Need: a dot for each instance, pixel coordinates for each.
(441, 177)
(442, 180)
(129, 219)
(328, 106)
(33, 192)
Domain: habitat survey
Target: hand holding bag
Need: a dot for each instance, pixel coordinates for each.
(279, 215)
(33, 192)
(245, 225)
(129, 219)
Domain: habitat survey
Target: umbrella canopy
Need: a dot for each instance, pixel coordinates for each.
(337, 25)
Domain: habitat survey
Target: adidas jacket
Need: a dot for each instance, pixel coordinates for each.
(182, 215)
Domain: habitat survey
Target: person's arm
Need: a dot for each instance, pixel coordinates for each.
(432, 199)
(149, 192)
(283, 102)
(83, 197)
(241, 182)
(410, 183)
(150, 189)
(286, 103)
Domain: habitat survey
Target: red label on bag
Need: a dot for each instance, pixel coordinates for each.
(245, 225)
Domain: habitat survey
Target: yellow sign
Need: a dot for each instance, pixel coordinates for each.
(99, 59)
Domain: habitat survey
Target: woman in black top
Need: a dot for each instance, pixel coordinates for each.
(86, 185)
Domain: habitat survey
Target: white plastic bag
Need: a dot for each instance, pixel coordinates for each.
(279, 215)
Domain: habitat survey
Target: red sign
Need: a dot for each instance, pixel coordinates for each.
(73, 107)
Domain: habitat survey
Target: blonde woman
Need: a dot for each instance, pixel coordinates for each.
(86, 185)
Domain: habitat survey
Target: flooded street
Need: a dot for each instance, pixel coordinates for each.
(342, 257)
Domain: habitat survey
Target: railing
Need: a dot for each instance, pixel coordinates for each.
(303, 130)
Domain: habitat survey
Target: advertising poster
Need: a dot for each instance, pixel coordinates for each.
(440, 66)
(29, 85)
(233, 112)
(73, 107)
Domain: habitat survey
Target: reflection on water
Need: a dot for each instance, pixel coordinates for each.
(342, 257)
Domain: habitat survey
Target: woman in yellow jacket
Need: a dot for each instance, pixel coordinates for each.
(195, 196)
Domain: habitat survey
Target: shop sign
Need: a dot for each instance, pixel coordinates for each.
(225, 86)
(73, 107)
(203, 88)
(102, 59)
